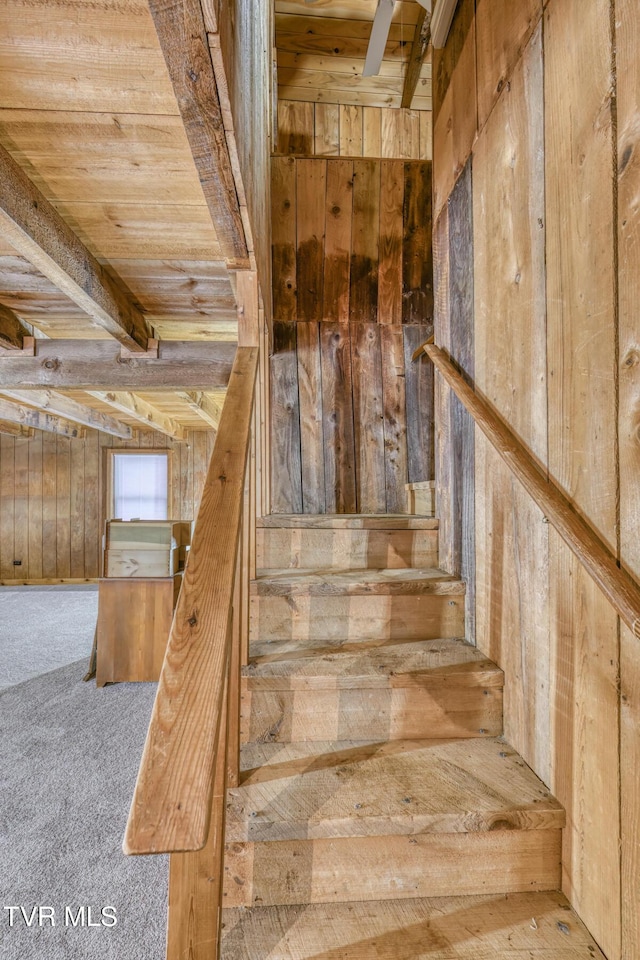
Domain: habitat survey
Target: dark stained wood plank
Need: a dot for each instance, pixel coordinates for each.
(421, 39)
(394, 412)
(310, 219)
(283, 226)
(417, 269)
(368, 417)
(337, 411)
(390, 247)
(363, 306)
(183, 38)
(37, 231)
(286, 470)
(311, 419)
(337, 251)
(419, 405)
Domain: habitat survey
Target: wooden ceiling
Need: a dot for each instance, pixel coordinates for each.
(88, 111)
(321, 48)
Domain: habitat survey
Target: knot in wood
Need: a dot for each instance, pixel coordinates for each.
(222, 478)
(51, 364)
(192, 620)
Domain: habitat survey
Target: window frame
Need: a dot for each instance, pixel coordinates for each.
(136, 451)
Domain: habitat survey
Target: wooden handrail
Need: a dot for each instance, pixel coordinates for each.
(620, 589)
(171, 806)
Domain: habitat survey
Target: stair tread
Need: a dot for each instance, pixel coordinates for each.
(352, 521)
(490, 927)
(336, 789)
(398, 664)
(378, 582)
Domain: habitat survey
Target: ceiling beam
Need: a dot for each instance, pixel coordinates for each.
(58, 404)
(16, 430)
(35, 228)
(28, 417)
(421, 39)
(99, 365)
(203, 406)
(183, 37)
(141, 410)
(12, 330)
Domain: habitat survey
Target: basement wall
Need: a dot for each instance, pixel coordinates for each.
(537, 284)
(53, 498)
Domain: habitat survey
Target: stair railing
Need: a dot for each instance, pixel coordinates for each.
(191, 752)
(622, 591)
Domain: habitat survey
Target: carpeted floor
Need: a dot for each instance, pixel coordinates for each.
(68, 763)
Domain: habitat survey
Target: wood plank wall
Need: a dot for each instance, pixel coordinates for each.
(352, 293)
(348, 130)
(53, 498)
(537, 108)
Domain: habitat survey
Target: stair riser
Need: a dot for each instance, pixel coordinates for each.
(325, 618)
(344, 549)
(402, 713)
(391, 868)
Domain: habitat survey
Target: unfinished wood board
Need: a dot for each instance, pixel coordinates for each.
(134, 619)
(286, 474)
(372, 521)
(582, 448)
(454, 98)
(355, 583)
(311, 417)
(374, 868)
(628, 107)
(445, 928)
(509, 332)
(283, 238)
(419, 393)
(341, 549)
(338, 418)
(368, 416)
(338, 228)
(417, 266)
(310, 226)
(363, 294)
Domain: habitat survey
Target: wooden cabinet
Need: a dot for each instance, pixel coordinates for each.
(134, 620)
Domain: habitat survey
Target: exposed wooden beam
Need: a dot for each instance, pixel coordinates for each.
(142, 411)
(35, 228)
(15, 429)
(58, 404)
(99, 365)
(28, 417)
(421, 39)
(12, 329)
(203, 405)
(183, 37)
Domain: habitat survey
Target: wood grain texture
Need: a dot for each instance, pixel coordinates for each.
(134, 620)
(283, 238)
(39, 419)
(12, 330)
(510, 320)
(58, 404)
(363, 302)
(338, 418)
(311, 417)
(627, 38)
(421, 39)
(368, 413)
(37, 231)
(286, 469)
(581, 338)
(170, 813)
(419, 390)
(310, 223)
(394, 415)
(495, 928)
(417, 266)
(338, 227)
(390, 280)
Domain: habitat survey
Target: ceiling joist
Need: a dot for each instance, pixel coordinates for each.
(56, 403)
(204, 406)
(421, 40)
(99, 365)
(16, 430)
(37, 231)
(39, 420)
(183, 38)
(141, 410)
(12, 330)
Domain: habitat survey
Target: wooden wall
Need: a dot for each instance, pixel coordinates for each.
(352, 294)
(537, 120)
(53, 498)
(350, 130)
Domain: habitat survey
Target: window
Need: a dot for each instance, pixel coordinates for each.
(139, 485)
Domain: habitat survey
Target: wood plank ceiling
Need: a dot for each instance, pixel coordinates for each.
(321, 48)
(88, 111)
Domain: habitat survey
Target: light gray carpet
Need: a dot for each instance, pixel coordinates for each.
(68, 764)
(42, 628)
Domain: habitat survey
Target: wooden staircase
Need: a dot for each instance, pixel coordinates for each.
(380, 814)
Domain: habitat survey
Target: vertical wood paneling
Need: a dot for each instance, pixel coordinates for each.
(286, 469)
(283, 237)
(21, 506)
(391, 240)
(310, 225)
(295, 127)
(395, 420)
(417, 268)
(510, 335)
(350, 130)
(363, 302)
(628, 106)
(368, 417)
(77, 493)
(35, 507)
(63, 507)
(337, 416)
(49, 526)
(327, 130)
(583, 449)
(311, 425)
(339, 209)
(7, 505)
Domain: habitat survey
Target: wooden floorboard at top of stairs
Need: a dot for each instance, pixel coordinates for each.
(360, 521)
(354, 583)
(346, 789)
(516, 926)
